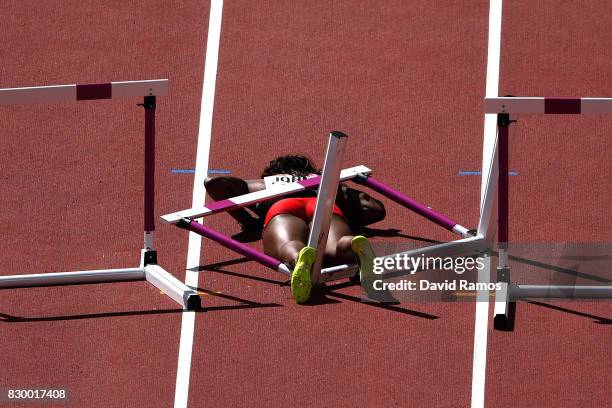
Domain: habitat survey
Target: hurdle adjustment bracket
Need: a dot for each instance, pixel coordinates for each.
(503, 274)
(148, 257)
(503, 120)
(360, 178)
(150, 102)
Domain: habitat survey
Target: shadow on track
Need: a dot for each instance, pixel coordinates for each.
(327, 295)
(596, 319)
(244, 304)
(391, 233)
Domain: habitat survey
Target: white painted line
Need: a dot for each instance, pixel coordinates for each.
(479, 364)
(181, 393)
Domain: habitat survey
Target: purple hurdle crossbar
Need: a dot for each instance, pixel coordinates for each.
(234, 245)
(411, 204)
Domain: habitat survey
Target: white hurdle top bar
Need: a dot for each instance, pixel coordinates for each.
(83, 92)
(548, 105)
(258, 196)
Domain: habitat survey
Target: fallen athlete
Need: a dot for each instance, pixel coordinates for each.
(286, 221)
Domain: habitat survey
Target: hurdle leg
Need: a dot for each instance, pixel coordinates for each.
(148, 255)
(155, 274)
(334, 273)
(502, 310)
(234, 245)
(413, 205)
(326, 197)
(72, 278)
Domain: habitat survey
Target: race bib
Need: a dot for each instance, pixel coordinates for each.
(279, 180)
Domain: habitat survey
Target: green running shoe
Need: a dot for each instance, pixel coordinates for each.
(361, 247)
(301, 285)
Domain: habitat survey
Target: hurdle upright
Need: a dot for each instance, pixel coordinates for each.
(148, 269)
(326, 197)
(508, 292)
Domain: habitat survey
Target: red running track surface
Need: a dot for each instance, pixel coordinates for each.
(405, 81)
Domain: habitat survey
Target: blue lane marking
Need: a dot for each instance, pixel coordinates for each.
(211, 171)
(478, 173)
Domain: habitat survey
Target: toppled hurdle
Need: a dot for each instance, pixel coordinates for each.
(328, 180)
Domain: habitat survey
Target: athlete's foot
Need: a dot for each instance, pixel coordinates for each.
(301, 285)
(365, 257)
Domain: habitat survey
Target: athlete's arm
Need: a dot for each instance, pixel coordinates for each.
(359, 208)
(222, 187)
(256, 185)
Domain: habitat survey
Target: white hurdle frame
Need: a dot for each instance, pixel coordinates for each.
(326, 197)
(503, 107)
(148, 270)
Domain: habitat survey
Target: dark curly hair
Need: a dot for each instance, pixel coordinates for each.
(294, 164)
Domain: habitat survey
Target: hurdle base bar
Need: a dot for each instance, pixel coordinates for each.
(72, 278)
(154, 274)
(338, 272)
(461, 247)
(172, 287)
(559, 292)
(508, 293)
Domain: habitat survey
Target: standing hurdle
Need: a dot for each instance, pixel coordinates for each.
(148, 269)
(508, 292)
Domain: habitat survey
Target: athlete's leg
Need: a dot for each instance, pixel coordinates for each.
(284, 236)
(345, 248)
(338, 249)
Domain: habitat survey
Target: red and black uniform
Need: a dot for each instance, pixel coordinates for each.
(301, 205)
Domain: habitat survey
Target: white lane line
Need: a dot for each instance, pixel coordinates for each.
(181, 393)
(479, 364)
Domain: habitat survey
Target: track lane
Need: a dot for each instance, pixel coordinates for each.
(556, 355)
(72, 183)
(288, 74)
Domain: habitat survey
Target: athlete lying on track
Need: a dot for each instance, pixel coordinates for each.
(286, 221)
